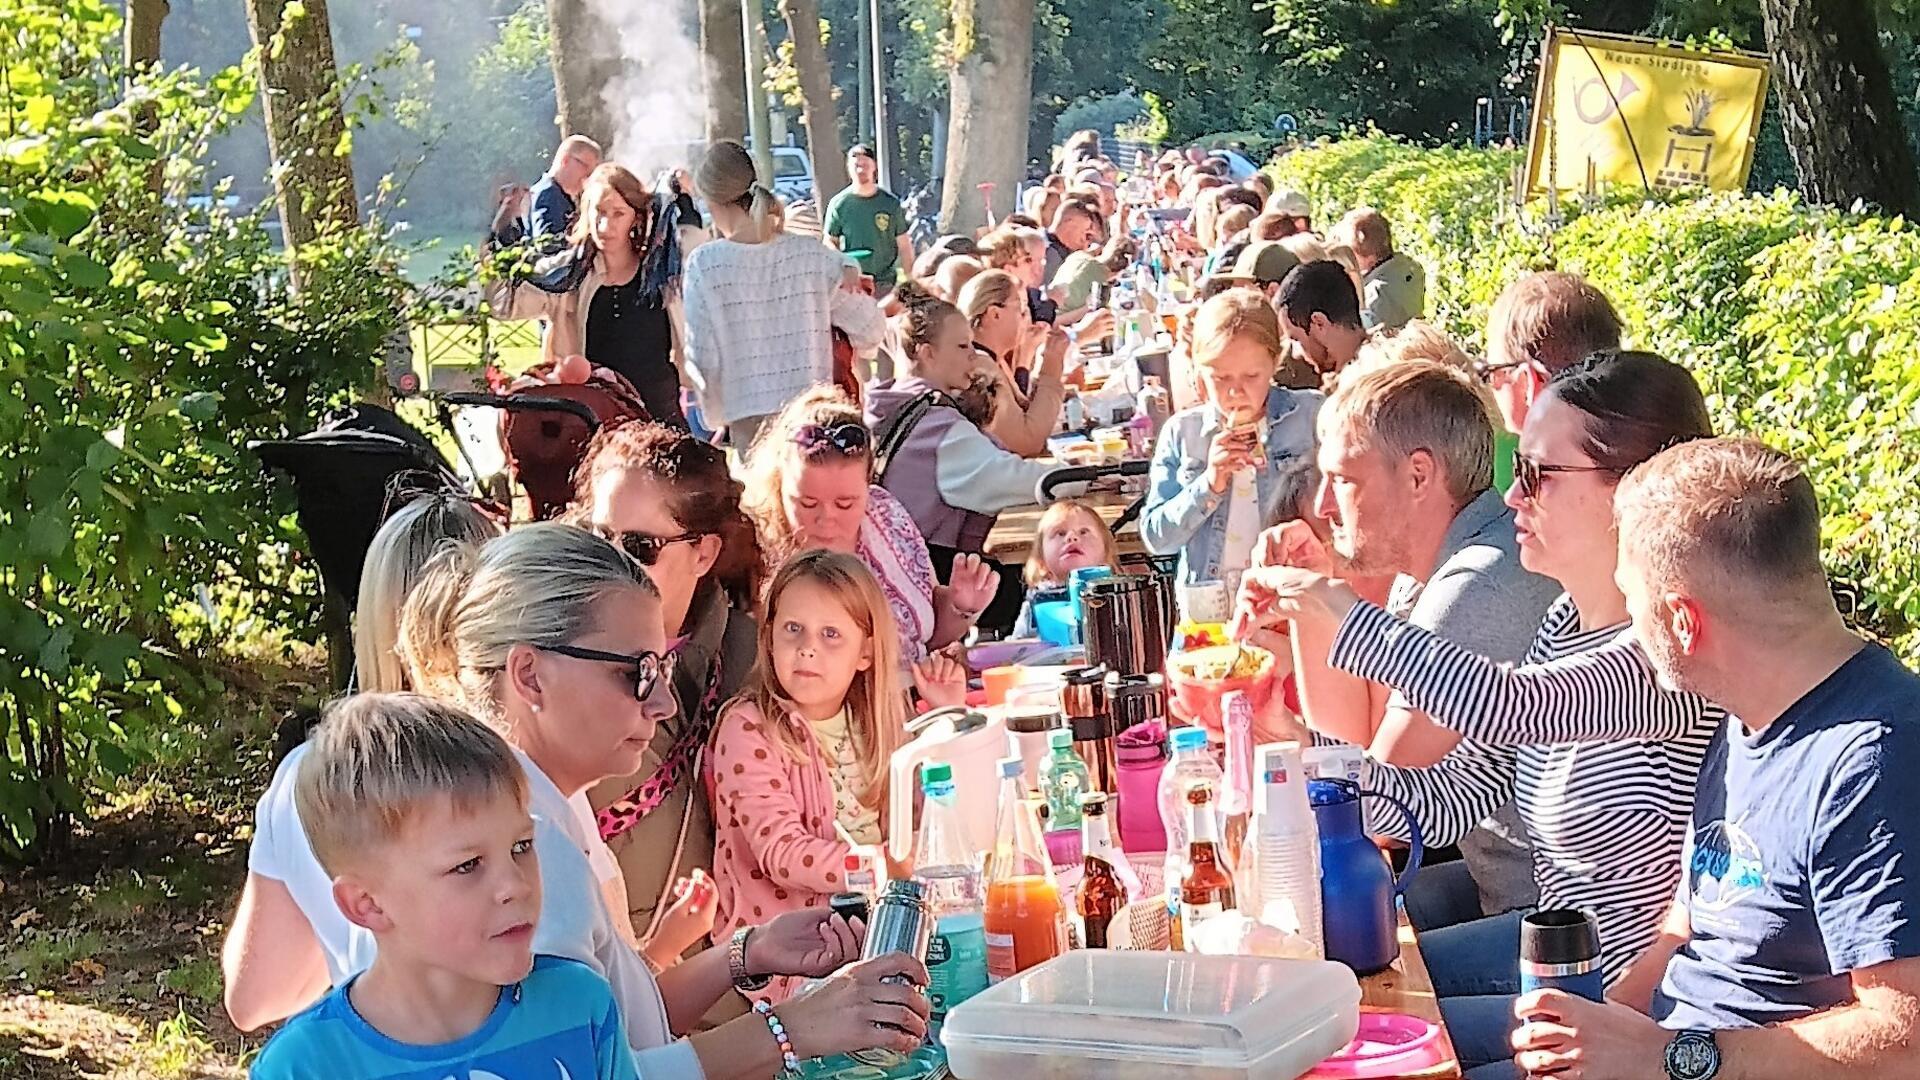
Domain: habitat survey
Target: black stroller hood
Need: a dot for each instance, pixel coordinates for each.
(343, 472)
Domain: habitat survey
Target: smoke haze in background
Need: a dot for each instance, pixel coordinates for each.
(657, 101)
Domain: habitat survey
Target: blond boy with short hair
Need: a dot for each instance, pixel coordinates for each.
(418, 812)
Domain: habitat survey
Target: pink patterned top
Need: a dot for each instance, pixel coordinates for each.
(892, 547)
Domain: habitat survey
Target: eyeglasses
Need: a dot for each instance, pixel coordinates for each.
(1527, 473)
(646, 668)
(645, 549)
(1487, 371)
(853, 440)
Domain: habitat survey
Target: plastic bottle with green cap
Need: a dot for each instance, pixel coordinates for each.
(946, 863)
(1063, 780)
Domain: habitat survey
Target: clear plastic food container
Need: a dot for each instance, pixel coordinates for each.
(1104, 1015)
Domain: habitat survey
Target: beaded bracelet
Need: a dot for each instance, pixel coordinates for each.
(789, 1061)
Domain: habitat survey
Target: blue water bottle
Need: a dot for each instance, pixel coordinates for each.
(1560, 950)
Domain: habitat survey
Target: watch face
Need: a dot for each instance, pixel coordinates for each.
(1693, 1055)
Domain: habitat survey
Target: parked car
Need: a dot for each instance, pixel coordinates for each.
(793, 175)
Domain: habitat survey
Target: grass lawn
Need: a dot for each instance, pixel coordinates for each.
(109, 952)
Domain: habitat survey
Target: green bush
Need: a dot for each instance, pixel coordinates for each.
(145, 341)
(1802, 323)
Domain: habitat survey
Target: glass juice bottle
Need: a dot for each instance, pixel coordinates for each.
(1025, 919)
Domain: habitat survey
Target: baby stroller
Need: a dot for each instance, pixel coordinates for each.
(545, 426)
(345, 473)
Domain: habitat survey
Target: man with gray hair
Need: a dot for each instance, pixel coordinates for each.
(1791, 949)
(552, 197)
(1406, 457)
(1393, 287)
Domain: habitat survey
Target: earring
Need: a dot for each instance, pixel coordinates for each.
(534, 707)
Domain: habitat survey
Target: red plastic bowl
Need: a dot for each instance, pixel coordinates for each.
(1197, 701)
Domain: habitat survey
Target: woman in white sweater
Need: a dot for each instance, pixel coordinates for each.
(761, 304)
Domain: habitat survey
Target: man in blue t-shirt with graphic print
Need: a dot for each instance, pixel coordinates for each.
(1791, 950)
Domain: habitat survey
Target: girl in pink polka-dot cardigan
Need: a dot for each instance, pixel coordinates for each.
(806, 745)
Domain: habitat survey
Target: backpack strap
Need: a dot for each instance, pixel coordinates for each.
(895, 432)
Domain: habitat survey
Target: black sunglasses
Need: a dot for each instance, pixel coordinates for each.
(850, 439)
(645, 549)
(1527, 473)
(646, 668)
(1486, 371)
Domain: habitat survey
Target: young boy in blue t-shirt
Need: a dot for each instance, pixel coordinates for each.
(419, 814)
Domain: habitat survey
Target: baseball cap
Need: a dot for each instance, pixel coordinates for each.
(1265, 262)
(1291, 203)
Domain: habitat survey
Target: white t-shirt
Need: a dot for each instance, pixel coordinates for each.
(1243, 528)
(574, 921)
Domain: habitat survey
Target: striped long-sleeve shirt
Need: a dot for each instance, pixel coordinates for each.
(1604, 761)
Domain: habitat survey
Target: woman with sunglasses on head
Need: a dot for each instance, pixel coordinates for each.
(1604, 760)
(556, 637)
(285, 945)
(667, 500)
(809, 485)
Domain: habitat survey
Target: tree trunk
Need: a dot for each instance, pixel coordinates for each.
(1843, 127)
(585, 62)
(723, 68)
(992, 88)
(142, 53)
(306, 130)
(816, 98)
(143, 32)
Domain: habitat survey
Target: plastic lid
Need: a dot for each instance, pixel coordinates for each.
(936, 772)
(1239, 1015)
(1011, 766)
(1188, 738)
(1061, 738)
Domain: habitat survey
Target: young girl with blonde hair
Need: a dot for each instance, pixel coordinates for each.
(799, 770)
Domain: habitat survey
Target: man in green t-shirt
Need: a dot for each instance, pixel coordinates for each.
(868, 223)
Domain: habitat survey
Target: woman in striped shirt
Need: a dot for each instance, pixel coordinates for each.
(1603, 760)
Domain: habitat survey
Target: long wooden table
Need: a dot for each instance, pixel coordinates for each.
(1407, 988)
(1012, 536)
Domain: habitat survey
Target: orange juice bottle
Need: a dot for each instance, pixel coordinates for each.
(1026, 922)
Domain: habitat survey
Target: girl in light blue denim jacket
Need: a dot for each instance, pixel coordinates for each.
(1220, 468)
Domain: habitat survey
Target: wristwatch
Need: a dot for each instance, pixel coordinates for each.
(1693, 1055)
(737, 964)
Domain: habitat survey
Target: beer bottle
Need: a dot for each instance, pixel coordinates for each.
(1206, 888)
(1107, 883)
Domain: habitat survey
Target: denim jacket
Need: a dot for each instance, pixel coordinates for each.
(1183, 514)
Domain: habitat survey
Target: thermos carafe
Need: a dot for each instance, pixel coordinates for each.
(1357, 887)
(1126, 621)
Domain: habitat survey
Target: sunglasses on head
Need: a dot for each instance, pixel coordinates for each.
(849, 439)
(645, 668)
(645, 549)
(1527, 473)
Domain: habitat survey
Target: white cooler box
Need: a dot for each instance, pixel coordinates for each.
(1097, 1014)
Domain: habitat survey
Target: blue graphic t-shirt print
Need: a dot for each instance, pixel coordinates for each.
(559, 1023)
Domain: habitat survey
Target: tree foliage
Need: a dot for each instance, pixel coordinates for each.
(1802, 323)
(145, 339)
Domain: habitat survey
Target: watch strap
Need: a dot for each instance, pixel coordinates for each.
(737, 963)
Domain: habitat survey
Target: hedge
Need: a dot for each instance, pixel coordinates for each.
(1801, 322)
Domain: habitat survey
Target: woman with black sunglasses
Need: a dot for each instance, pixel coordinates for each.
(556, 637)
(668, 501)
(1603, 760)
(809, 485)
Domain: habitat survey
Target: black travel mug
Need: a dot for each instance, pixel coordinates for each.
(1560, 950)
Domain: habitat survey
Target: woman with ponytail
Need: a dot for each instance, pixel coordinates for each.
(555, 637)
(762, 304)
(614, 294)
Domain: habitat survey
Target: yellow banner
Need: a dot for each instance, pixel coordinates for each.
(1615, 110)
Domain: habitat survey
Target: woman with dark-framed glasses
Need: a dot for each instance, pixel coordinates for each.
(809, 485)
(1601, 759)
(667, 500)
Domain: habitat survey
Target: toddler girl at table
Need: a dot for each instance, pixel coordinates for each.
(1221, 468)
(798, 773)
(1071, 536)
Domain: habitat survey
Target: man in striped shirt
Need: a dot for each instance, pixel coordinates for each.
(1790, 950)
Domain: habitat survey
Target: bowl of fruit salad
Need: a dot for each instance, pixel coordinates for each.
(1198, 680)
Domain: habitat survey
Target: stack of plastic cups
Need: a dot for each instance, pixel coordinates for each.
(1286, 845)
